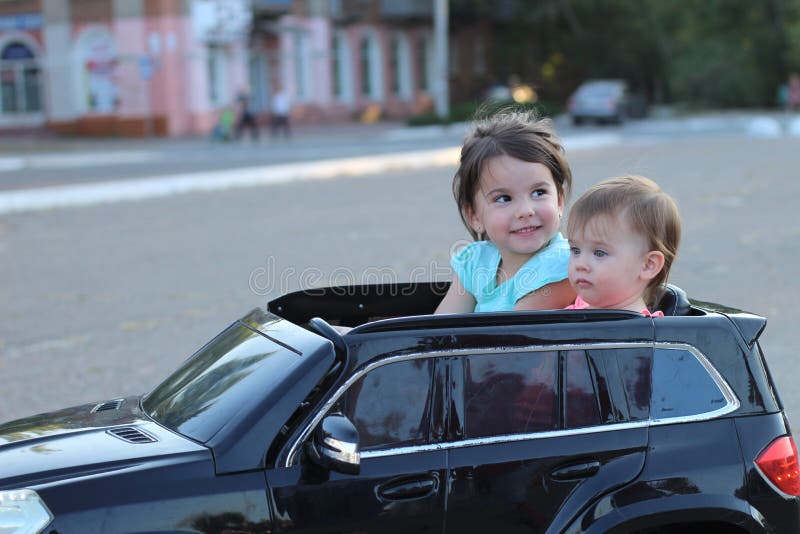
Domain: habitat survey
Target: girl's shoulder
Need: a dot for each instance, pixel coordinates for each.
(476, 253)
(476, 266)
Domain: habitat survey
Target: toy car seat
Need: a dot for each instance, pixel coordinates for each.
(672, 301)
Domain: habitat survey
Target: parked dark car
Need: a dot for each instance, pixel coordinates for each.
(605, 101)
(559, 421)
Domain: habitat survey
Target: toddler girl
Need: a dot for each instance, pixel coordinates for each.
(623, 236)
(510, 188)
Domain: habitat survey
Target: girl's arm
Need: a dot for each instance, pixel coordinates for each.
(457, 300)
(550, 297)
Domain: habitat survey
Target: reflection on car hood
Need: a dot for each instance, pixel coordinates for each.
(76, 442)
(69, 420)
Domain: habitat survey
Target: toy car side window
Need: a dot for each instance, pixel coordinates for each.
(582, 403)
(682, 386)
(390, 405)
(635, 367)
(625, 375)
(508, 394)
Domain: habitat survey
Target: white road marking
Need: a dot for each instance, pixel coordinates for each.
(11, 164)
(161, 186)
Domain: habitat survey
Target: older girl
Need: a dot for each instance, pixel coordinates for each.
(511, 188)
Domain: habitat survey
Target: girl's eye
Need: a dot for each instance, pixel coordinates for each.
(574, 251)
(502, 199)
(600, 253)
(538, 192)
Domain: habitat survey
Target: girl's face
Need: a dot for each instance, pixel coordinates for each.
(610, 264)
(517, 206)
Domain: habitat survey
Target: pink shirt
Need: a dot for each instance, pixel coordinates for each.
(581, 304)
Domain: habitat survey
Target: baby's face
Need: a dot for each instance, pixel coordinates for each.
(608, 264)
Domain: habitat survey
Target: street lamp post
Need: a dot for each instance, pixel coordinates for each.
(442, 93)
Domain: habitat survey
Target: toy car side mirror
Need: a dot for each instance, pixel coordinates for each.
(335, 445)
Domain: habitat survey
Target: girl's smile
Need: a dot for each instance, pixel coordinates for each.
(528, 230)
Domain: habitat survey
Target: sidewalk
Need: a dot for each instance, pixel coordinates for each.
(354, 134)
(305, 134)
(35, 155)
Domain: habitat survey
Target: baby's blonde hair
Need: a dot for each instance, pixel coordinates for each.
(647, 209)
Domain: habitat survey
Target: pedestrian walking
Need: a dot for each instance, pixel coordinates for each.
(247, 119)
(281, 107)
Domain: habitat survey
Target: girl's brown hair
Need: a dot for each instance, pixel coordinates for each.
(519, 134)
(648, 210)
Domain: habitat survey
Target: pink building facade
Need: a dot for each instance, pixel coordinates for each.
(170, 67)
(339, 72)
(121, 67)
(341, 65)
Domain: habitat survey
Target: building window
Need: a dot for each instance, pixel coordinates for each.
(341, 67)
(366, 67)
(218, 93)
(401, 67)
(302, 66)
(336, 67)
(425, 63)
(20, 83)
(395, 65)
(259, 81)
(370, 54)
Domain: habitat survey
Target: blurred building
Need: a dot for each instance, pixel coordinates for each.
(169, 67)
(338, 58)
(121, 67)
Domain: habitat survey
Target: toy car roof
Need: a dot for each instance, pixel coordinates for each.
(373, 308)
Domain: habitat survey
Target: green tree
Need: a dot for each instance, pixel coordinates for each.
(719, 53)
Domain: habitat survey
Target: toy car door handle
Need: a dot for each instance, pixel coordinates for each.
(576, 471)
(408, 488)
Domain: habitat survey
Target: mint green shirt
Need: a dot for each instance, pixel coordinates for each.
(476, 267)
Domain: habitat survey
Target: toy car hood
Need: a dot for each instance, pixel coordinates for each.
(84, 440)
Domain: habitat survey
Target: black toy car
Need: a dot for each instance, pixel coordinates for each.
(557, 421)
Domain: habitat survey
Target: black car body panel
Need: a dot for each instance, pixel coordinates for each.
(179, 494)
(551, 421)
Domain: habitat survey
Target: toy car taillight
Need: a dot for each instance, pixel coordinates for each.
(778, 463)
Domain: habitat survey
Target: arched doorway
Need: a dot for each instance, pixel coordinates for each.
(20, 80)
